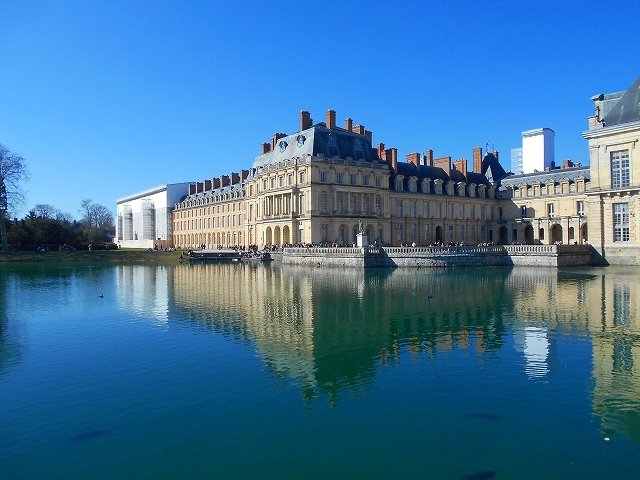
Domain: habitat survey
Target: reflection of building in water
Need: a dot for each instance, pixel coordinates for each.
(144, 289)
(331, 330)
(616, 353)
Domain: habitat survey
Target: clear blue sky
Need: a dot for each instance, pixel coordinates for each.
(108, 98)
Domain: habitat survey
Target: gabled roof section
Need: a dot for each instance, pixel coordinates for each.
(627, 109)
(492, 169)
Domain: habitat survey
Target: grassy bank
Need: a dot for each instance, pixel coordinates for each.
(94, 257)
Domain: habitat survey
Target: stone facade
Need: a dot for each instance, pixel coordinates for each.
(613, 199)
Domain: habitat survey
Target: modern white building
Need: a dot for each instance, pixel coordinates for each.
(516, 161)
(143, 219)
(538, 150)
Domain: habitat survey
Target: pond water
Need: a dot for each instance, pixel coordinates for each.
(239, 371)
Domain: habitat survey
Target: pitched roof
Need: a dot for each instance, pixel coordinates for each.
(627, 109)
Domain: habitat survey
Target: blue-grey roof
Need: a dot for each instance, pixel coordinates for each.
(556, 175)
(626, 109)
(319, 140)
(407, 170)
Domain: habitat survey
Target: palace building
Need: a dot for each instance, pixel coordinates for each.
(324, 182)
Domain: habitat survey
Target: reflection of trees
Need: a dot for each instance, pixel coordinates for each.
(9, 346)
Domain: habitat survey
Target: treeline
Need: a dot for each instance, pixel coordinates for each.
(47, 227)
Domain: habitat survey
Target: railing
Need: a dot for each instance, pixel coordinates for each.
(444, 250)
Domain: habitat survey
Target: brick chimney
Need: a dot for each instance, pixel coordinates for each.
(305, 120)
(348, 124)
(207, 185)
(235, 178)
(428, 158)
(216, 182)
(199, 187)
(275, 138)
(331, 119)
(224, 180)
(266, 148)
(477, 159)
(192, 188)
(369, 135)
(244, 174)
(359, 129)
(391, 155)
(414, 158)
(461, 166)
(381, 154)
(444, 163)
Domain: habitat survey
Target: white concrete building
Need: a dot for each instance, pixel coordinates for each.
(538, 150)
(144, 219)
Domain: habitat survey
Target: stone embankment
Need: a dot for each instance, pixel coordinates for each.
(464, 256)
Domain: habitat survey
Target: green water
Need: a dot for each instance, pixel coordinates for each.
(237, 371)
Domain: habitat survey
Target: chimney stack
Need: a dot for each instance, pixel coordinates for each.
(331, 119)
(444, 163)
(199, 187)
(305, 120)
(461, 166)
(381, 154)
(192, 188)
(207, 185)
(369, 135)
(414, 158)
(391, 155)
(266, 148)
(428, 158)
(359, 129)
(244, 174)
(224, 180)
(348, 124)
(216, 182)
(477, 160)
(235, 178)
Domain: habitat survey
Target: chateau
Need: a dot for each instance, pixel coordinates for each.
(324, 182)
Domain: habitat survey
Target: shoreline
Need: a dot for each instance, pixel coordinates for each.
(95, 256)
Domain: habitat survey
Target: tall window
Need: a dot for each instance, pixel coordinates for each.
(399, 211)
(523, 211)
(324, 202)
(302, 180)
(620, 169)
(414, 208)
(378, 181)
(620, 222)
(365, 180)
(352, 179)
(323, 177)
(378, 205)
(425, 209)
(551, 210)
(580, 207)
(340, 178)
(302, 205)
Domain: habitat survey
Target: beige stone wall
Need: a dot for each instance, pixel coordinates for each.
(602, 196)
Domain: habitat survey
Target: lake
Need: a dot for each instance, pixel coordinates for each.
(276, 372)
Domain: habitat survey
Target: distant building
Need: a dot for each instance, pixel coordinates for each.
(143, 220)
(516, 161)
(538, 150)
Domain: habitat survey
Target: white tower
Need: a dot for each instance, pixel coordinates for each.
(538, 150)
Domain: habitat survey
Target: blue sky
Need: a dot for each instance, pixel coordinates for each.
(108, 98)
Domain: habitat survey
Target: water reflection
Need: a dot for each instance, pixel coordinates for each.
(330, 331)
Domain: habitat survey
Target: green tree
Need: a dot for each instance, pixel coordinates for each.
(13, 171)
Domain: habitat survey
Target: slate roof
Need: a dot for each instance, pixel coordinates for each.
(627, 109)
(556, 175)
(319, 140)
(489, 163)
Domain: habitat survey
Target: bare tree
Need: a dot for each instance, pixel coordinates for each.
(13, 172)
(96, 219)
(44, 210)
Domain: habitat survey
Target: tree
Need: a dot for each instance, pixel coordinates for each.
(44, 210)
(12, 172)
(96, 219)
